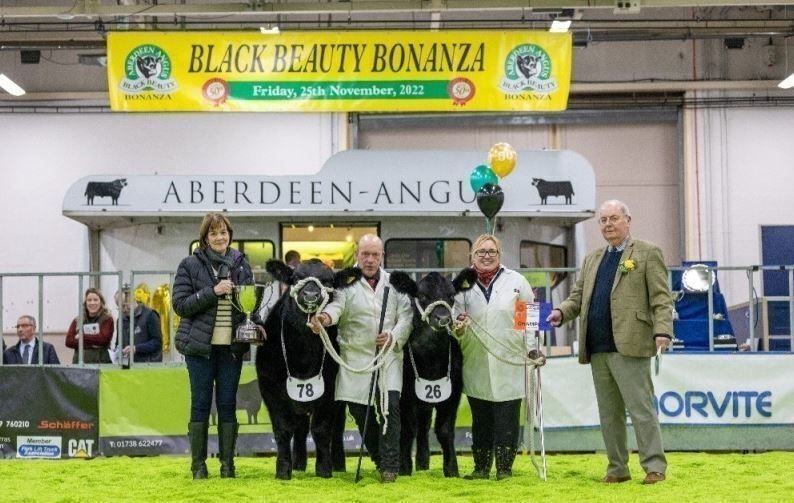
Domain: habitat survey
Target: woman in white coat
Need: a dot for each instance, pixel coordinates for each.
(494, 388)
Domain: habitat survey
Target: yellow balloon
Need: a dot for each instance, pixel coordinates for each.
(502, 159)
(143, 295)
(161, 302)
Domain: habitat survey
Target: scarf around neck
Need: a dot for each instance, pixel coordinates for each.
(485, 277)
(217, 260)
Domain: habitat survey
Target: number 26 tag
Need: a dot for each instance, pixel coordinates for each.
(305, 390)
(433, 391)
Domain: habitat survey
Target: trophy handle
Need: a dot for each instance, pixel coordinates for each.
(232, 296)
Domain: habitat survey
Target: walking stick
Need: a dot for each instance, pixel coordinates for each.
(371, 386)
(535, 410)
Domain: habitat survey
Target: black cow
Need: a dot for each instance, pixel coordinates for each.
(288, 333)
(104, 189)
(436, 355)
(554, 189)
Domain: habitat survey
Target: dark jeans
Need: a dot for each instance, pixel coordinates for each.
(494, 424)
(383, 449)
(220, 371)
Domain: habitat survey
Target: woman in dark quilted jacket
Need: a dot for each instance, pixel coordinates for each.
(201, 296)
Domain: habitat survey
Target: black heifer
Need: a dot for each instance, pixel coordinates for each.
(553, 189)
(104, 189)
(436, 356)
(288, 334)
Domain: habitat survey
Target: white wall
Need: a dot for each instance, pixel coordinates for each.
(747, 166)
(41, 155)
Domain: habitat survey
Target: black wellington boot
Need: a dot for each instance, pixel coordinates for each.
(227, 439)
(482, 464)
(197, 433)
(504, 462)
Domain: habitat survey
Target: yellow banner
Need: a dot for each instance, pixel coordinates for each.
(372, 71)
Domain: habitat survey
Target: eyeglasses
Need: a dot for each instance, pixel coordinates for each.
(486, 253)
(23, 325)
(612, 220)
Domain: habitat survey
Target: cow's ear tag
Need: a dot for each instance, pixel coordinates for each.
(465, 284)
(350, 279)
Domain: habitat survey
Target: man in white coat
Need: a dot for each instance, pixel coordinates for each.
(357, 312)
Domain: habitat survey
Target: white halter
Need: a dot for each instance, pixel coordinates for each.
(324, 291)
(425, 313)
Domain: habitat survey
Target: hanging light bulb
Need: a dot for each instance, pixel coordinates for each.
(310, 228)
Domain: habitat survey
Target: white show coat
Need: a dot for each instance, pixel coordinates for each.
(484, 376)
(356, 310)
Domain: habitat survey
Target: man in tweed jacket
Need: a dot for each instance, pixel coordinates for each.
(624, 306)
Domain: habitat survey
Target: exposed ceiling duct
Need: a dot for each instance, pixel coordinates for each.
(78, 29)
(82, 24)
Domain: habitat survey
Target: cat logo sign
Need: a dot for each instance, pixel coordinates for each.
(81, 448)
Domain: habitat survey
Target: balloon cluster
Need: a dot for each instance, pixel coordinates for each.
(485, 179)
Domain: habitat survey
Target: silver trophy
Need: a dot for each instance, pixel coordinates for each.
(248, 300)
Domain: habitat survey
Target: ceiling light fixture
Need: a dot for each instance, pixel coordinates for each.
(560, 26)
(10, 86)
(273, 30)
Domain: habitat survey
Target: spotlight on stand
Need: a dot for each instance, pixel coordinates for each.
(696, 278)
(691, 292)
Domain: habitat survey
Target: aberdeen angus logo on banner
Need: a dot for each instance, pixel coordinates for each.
(339, 72)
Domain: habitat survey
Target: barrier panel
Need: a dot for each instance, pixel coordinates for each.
(707, 400)
(49, 412)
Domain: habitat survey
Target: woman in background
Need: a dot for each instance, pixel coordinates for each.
(202, 297)
(96, 331)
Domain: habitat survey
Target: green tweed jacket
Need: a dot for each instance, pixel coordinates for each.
(641, 302)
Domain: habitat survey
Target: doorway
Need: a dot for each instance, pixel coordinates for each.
(332, 242)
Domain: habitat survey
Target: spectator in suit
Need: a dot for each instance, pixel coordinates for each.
(147, 338)
(26, 351)
(625, 309)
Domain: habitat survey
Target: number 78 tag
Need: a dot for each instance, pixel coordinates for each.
(531, 316)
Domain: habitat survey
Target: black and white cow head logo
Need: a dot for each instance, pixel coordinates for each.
(529, 66)
(149, 66)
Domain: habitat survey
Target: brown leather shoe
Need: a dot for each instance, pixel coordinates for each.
(612, 479)
(653, 477)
